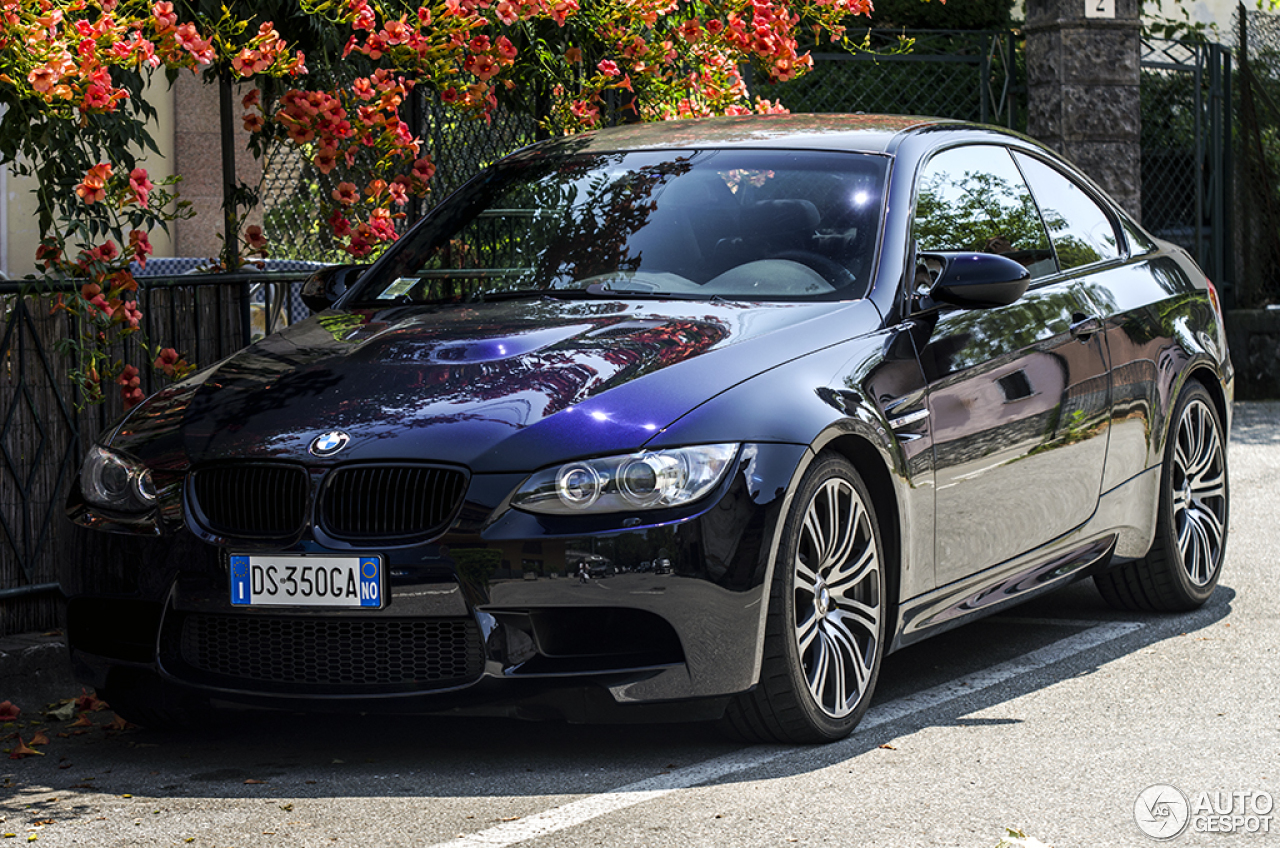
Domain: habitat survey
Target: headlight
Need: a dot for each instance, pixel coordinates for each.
(115, 481)
(647, 480)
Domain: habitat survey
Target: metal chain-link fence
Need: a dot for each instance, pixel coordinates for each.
(969, 75)
(293, 187)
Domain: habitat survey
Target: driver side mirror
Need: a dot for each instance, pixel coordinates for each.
(978, 280)
(325, 286)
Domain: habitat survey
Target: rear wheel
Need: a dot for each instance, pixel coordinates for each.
(1184, 563)
(824, 634)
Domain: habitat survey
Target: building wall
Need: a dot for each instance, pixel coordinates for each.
(187, 132)
(19, 233)
(198, 157)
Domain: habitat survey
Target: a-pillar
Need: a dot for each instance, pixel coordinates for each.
(1083, 89)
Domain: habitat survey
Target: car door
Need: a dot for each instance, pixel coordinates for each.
(1018, 395)
(1127, 295)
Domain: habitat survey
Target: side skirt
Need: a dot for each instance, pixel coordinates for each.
(1123, 524)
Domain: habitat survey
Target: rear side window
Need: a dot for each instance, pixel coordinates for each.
(1081, 231)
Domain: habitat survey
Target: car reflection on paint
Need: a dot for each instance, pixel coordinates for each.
(805, 389)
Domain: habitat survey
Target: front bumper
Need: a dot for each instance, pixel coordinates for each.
(490, 618)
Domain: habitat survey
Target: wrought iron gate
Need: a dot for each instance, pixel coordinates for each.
(1186, 151)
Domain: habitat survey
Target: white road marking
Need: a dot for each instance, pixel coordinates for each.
(583, 810)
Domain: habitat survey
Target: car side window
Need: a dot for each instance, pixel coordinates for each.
(973, 198)
(1081, 231)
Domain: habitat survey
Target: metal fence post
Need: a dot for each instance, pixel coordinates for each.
(984, 81)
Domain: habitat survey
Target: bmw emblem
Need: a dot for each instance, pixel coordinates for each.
(327, 444)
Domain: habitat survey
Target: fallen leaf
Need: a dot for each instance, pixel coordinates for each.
(21, 750)
(83, 721)
(288, 808)
(62, 712)
(65, 766)
(119, 723)
(888, 747)
(252, 780)
(509, 818)
(9, 712)
(41, 738)
(89, 703)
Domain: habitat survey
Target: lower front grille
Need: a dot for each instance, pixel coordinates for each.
(283, 651)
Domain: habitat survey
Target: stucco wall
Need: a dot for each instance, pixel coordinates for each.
(18, 227)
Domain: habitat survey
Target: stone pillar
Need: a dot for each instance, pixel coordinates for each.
(1083, 77)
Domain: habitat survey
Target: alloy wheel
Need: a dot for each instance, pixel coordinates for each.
(838, 597)
(1199, 495)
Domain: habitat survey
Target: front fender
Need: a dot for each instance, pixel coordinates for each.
(864, 399)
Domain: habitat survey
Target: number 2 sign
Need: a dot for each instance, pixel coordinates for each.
(1099, 8)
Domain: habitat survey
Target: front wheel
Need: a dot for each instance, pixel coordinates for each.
(1184, 563)
(824, 634)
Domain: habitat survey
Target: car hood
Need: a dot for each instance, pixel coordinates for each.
(508, 386)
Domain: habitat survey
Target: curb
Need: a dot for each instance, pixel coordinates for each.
(35, 670)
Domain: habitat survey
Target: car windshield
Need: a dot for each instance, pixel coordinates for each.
(698, 224)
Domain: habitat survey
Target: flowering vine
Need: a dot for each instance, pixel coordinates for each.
(72, 74)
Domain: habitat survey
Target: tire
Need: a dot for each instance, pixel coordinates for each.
(824, 632)
(1184, 563)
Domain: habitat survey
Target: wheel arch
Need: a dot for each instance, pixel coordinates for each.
(1207, 377)
(1199, 370)
(867, 459)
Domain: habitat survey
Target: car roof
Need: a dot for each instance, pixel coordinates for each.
(863, 133)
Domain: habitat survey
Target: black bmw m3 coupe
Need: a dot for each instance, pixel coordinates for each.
(685, 420)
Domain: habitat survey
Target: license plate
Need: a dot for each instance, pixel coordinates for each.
(306, 581)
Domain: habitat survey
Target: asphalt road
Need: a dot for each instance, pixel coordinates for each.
(1053, 719)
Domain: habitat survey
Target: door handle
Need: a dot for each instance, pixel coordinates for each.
(1083, 327)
